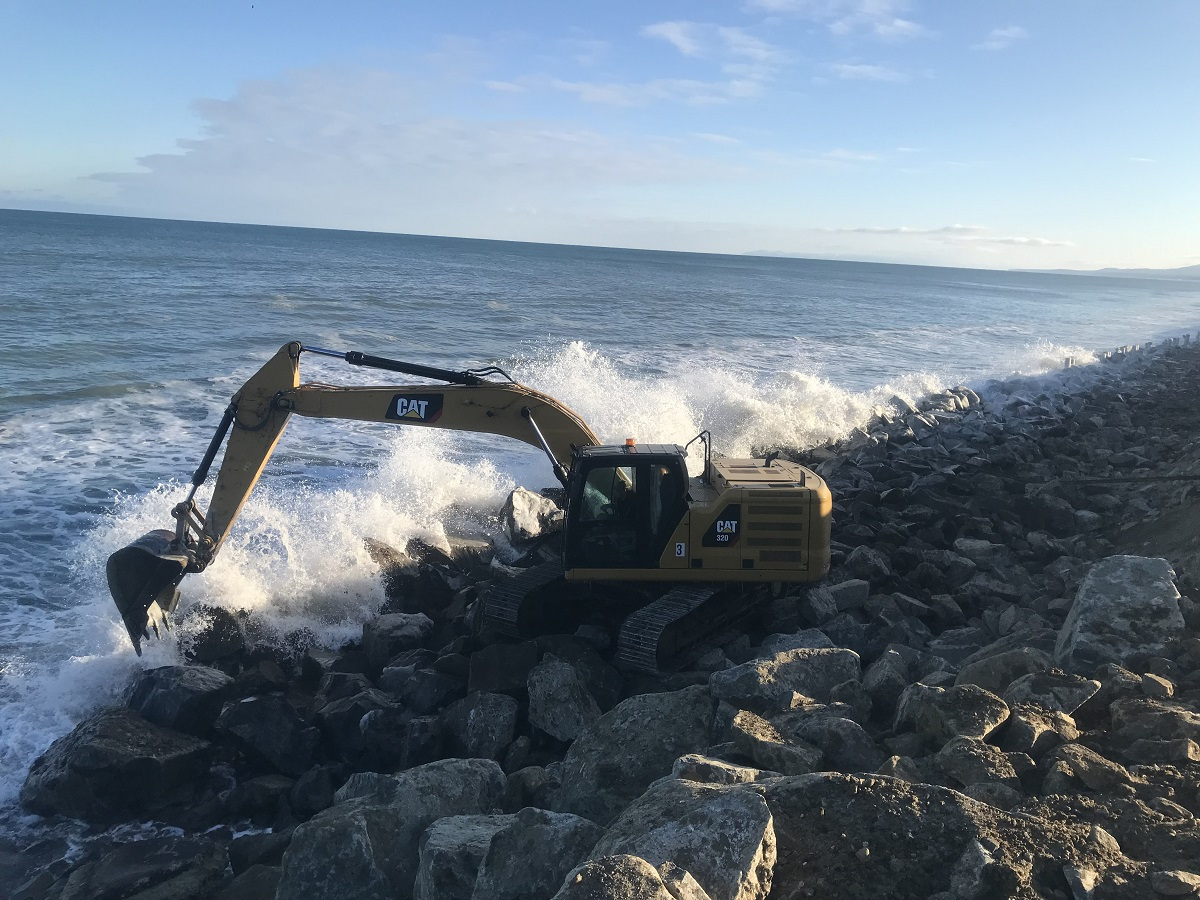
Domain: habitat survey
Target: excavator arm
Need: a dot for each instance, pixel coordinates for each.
(143, 577)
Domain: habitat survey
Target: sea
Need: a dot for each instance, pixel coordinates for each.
(122, 341)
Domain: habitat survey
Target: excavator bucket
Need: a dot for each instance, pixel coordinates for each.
(142, 579)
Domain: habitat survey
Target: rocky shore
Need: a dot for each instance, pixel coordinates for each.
(996, 693)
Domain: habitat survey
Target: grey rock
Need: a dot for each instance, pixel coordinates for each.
(708, 770)
(629, 747)
(978, 875)
(532, 854)
(996, 673)
(844, 743)
(1064, 693)
(113, 765)
(172, 867)
(183, 698)
(1180, 751)
(970, 761)
(1175, 883)
(901, 767)
(759, 740)
(270, 729)
(367, 845)
(387, 635)
(1036, 731)
(868, 564)
(886, 679)
(481, 725)
(1095, 771)
(259, 882)
(619, 877)
(767, 684)
(502, 668)
(994, 793)
(723, 836)
(1126, 605)
(940, 714)
(526, 515)
(808, 639)
(559, 702)
(451, 851)
(849, 594)
(340, 721)
(1162, 720)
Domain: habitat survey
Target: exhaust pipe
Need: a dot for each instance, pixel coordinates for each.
(143, 579)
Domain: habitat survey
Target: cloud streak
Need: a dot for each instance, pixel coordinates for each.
(880, 18)
(1001, 38)
(861, 72)
(954, 234)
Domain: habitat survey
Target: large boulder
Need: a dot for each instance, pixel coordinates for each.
(387, 635)
(115, 765)
(722, 835)
(183, 698)
(769, 684)
(526, 515)
(625, 877)
(632, 745)
(939, 714)
(270, 729)
(481, 725)
(559, 702)
(172, 867)
(368, 844)
(1126, 605)
(452, 849)
(532, 854)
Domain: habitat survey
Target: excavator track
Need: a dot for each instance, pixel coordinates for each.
(655, 637)
(509, 605)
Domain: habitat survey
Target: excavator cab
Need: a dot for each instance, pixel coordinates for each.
(623, 505)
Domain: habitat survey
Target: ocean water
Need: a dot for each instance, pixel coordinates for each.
(123, 339)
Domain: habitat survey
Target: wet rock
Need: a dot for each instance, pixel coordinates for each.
(256, 883)
(340, 720)
(115, 764)
(183, 698)
(451, 851)
(533, 853)
(384, 734)
(627, 748)
(767, 684)
(526, 515)
(426, 691)
(759, 740)
(996, 673)
(264, 848)
(1064, 693)
(175, 867)
(728, 843)
(424, 741)
(559, 702)
(385, 636)
(502, 668)
(1126, 605)
(258, 798)
(480, 725)
(211, 634)
(623, 877)
(939, 714)
(367, 845)
(270, 729)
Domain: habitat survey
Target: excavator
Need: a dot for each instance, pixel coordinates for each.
(688, 554)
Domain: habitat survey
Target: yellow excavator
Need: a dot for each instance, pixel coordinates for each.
(690, 554)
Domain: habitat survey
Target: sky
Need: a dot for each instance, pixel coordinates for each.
(986, 133)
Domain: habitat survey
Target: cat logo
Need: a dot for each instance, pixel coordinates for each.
(418, 409)
(724, 531)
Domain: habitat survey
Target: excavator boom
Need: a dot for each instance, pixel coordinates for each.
(143, 576)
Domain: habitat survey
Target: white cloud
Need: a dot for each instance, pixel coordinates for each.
(857, 72)
(845, 17)
(715, 138)
(954, 234)
(1000, 38)
(683, 36)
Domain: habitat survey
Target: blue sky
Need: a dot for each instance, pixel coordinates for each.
(994, 134)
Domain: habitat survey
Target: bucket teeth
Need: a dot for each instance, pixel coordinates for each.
(142, 579)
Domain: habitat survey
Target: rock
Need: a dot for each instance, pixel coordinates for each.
(502, 668)
(480, 725)
(1180, 751)
(969, 761)
(385, 636)
(1064, 693)
(867, 564)
(262, 849)
(844, 743)
(367, 845)
(1096, 772)
(723, 836)
(1157, 687)
(210, 634)
(451, 851)
(526, 515)
(113, 765)
(620, 877)
(979, 875)
(761, 741)
(630, 746)
(532, 854)
(1125, 606)
(559, 702)
(340, 721)
(996, 673)
(256, 883)
(270, 729)
(768, 684)
(1036, 731)
(886, 679)
(340, 685)
(1161, 720)
(183, 698)
(172, 867)
(940, 714)
(1175, 883)
(426, 691)
(707, 770)
(994, 793)
(807, 639)
(901, 767)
